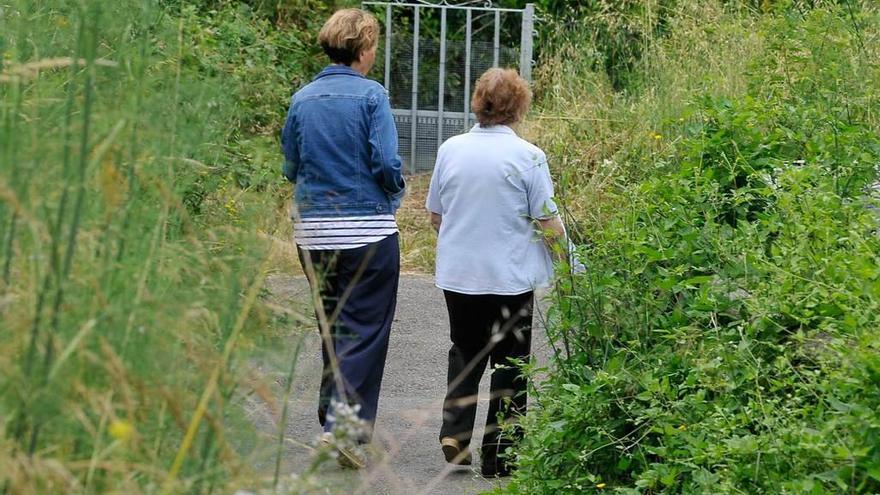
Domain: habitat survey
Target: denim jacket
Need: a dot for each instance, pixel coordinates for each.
(340, 147)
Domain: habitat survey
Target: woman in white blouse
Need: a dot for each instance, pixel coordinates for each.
(491, 201)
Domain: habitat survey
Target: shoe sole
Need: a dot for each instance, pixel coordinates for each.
(496, 474)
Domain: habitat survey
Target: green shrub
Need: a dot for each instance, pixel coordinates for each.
(262, 57)
(723, 339)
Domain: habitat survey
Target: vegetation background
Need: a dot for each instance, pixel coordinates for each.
(715, 160)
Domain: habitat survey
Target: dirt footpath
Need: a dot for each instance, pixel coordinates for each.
(409, 409)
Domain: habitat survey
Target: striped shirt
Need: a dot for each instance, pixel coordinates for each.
(326, 233)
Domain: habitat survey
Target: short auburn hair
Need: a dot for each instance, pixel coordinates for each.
(347, 34)
(501, 97)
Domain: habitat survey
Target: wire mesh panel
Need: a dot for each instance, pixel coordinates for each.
(429, 60)
(404, 136)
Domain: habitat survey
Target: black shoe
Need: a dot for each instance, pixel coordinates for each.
(495, 468)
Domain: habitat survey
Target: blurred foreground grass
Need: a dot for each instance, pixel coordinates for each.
(128, 296)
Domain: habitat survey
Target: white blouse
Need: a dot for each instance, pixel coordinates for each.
(490, 185)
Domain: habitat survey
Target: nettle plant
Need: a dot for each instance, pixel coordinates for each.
(723, 337)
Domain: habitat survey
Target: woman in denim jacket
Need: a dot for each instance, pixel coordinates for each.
(340, 149)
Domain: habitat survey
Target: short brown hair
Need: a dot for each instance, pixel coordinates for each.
(501, 97)
(347, 34)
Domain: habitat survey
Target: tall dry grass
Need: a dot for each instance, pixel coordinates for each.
(124, 317)
(599, 139)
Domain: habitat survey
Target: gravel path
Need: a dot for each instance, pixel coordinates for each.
(409, 409)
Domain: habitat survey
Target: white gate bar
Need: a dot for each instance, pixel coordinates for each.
(496, 43)
(387, 46)
(441, 89)
(467, 69)
(456, 7)
(415, 92)
(528, 25)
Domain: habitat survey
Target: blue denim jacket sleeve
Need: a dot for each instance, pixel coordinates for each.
(289, 148)
(384, 160)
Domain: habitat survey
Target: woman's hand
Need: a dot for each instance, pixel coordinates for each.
(553, 233)
(559, 245)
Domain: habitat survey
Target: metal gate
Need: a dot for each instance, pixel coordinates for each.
(431, 56)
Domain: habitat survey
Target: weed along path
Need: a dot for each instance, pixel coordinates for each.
(409, 460)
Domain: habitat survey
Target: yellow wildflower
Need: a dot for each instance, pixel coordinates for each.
(120, 429)
(231, 208)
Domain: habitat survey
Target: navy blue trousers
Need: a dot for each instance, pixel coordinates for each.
(364, 280)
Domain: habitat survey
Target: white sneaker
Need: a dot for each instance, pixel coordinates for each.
(326, 439)
(353, 457)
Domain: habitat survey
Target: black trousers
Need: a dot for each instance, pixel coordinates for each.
(486, 329)
(367, 279)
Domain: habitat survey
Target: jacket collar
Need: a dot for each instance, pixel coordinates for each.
(495, 129)
(338, 69)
